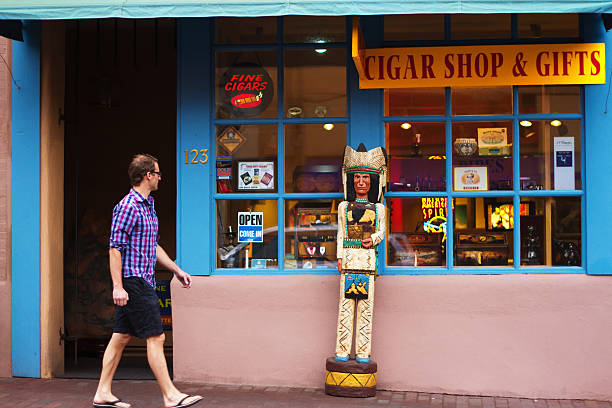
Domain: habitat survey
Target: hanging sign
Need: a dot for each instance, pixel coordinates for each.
(482, 65)
(250, 226)
(564, 163)
(246, 90)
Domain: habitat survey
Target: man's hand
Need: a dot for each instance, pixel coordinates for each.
(120, 296)
(340, 265)
(367, 243)
(184, 278)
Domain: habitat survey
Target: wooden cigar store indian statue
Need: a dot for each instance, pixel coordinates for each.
(361, 228)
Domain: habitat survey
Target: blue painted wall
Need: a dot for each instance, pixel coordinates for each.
(598, 125)
(195, 181)
(26, 204)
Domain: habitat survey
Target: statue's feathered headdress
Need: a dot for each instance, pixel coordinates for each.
(372, 161)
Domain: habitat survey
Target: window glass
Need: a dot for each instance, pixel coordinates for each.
(482, 101)
(263, 223)
(240, 149)
(480, 26)
(550, 154)
(314, 29)
(483, 231)
(416, 156)
(482, 156)
(237, 30)
(414, 27)
(551, 231)
(414, 102)
(417, 231)
(548, 25)
(246, 84)
(549, 99)
(313, 157)
(315, 83)
(311, 228)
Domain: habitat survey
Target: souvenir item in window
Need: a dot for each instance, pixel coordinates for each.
(361, 227)
(532, 245)
(569, 253)
(465, 146)
(317, 178)
(493, 142)
(482, 248)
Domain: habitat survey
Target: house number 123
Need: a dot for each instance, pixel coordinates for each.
(195, 156)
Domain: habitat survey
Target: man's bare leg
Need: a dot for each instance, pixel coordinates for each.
(112, 356)
(157, 362)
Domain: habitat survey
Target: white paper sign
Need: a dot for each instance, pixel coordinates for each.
(564, 159)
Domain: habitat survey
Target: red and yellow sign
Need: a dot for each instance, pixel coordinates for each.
(482, 65)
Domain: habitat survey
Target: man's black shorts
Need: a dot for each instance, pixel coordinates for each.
(140, 316)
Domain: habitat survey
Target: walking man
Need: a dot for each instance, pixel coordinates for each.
(133, 253)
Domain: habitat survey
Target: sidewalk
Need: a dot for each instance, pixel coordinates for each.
(62, 393)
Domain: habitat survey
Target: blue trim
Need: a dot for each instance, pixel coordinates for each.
(597, 153)
(195, 184)
(25, 230)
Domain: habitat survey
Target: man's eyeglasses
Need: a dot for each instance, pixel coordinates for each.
(156, 172)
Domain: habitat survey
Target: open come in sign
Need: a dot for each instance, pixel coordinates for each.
(250, 227)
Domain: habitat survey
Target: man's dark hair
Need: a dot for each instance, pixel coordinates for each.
(140, 165)
(372, 194)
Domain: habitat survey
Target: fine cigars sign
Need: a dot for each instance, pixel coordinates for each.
(246, 90)
(486, 65)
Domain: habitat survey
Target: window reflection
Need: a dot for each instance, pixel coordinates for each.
(414, 102)
(236, 30)
(314, 29)
(231, 252)
(417, 231)
(480, 26)
(549, 99)
(483, 231)
(311, 227)
(315, 83)
(550, 154)
(548, 25)
(416, 156)
(414, 27)
(482, 101)
(551, 231)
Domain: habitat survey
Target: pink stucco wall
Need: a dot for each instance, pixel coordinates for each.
(5, 210)
(537, 336)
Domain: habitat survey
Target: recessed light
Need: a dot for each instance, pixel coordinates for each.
(328, 126)
(556, 123)
(406, 125)
(525, 123)
(321, 50)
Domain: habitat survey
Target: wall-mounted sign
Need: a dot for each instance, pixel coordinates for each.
(565, 178)
(246, 90)
(482, 65)
(255, 175)
(250, 226)
(471, 178)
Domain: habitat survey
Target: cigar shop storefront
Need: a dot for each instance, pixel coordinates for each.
(494, 115)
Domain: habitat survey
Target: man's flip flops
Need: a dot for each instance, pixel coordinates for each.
(107, 404)
(181, 405)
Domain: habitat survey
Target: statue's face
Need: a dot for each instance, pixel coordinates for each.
(362, 184)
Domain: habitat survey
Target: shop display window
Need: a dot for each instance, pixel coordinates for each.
(314, 29)
(309, 168)
(549, 99)
(482, 156)
(415, 102)
(247, 234)
(551, 231)
(246, 158)
(311, 228)
(315, 83)
(548, 25)
(237, 30)
(550, 154)
(480, 26)
(416, 152)
(414, 27)
(483, 231)
(246, 84)
(416, 231)
(482, 101)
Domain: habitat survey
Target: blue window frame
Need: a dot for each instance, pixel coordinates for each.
(515, 194)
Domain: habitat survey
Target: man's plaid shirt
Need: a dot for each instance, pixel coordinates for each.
(134, 232)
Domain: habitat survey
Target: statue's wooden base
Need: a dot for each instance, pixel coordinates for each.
(350, 378)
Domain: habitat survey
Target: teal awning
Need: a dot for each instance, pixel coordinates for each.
(74, 9)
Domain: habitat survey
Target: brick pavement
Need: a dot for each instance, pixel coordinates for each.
(63, 393)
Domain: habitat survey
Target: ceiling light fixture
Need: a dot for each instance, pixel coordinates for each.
(405, 125)
(556, 123)
(328, 126)
(525, 123)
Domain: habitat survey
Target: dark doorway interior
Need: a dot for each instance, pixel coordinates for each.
(120, 100)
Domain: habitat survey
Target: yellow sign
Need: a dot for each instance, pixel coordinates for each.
(482, 65)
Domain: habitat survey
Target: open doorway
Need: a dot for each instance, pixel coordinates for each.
(120, 101)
